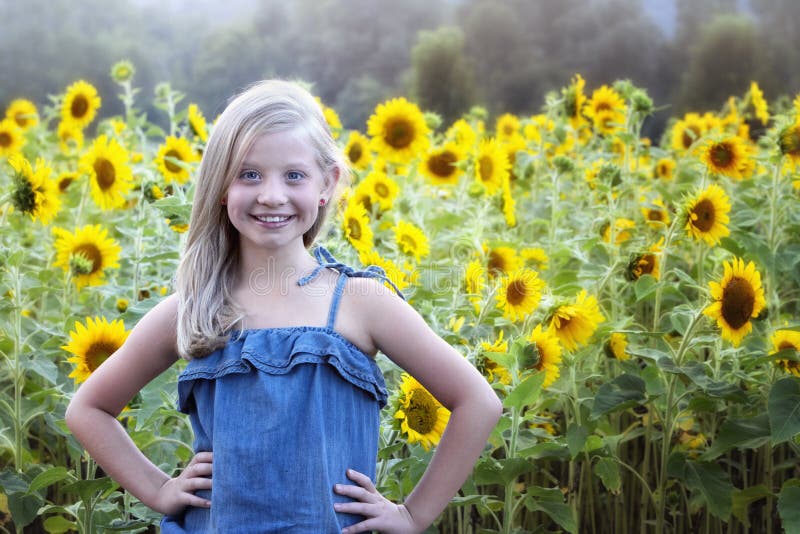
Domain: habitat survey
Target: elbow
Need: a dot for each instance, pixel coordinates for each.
(71, 416)
(494, 406)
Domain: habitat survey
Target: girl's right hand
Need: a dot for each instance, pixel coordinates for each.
(178, 493)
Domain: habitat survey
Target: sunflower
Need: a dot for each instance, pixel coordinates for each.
(23, 113)
(788, 141)
(787, 339)
(665, 169)
(106, 165)
(65, 179)
(355, 224)
(86, 254)
(729, 157)
(707, 215)
(357, 150)
(491, 165)
(489, 367)
(34, 193)
(759, 104)
(92, 344)
(401, 277)
(11, 137)
(70, 138)
(537, 127)
(656, 214)
(608, 122)
(535, 257)
(462, 134)
(548, 354)
(507, 127)
(616, 345)
(441, 164)
(509, 204)
(646, 263)
(197, 122)
(173, 159)
(519, 294)
(686, 131)
(575, 323)
(381, 189)
(737, 298)
(422, 418)
(80, 104)
(398, 130)
(621, 233)
(604, 99)
(574, 100)
(501, 260)
(411, 240)
(475, 282)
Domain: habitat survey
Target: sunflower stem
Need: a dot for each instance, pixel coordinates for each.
(553, 208)
(19, 374)
(662, 261)
(509, 505)
(137, 247)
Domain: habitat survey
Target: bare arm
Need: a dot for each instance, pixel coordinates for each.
(400, 333)
(91, 415)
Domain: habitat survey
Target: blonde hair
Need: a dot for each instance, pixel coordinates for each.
(205, 276)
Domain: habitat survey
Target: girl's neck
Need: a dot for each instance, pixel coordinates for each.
(274, 268)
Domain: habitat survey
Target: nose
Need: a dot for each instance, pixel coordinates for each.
(272, 193)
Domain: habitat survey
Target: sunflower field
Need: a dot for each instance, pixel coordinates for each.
(634, 302)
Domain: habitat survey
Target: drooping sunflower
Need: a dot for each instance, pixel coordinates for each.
(357, 150)
(621, 230)
(398, 130)
(355, 224)
(401, 277)
(687, 131)
(604, 99)
(34, 192)
(422, 418)
(519, 294)
(411, 240)
(174, 158)
(574, 100)
(381, 189)
(789, 142)
(70, 138)
(707, 215)
(787, 339)
(728, 156)
(491, 165)
(548, 354)
(440, 164)
(23, 113)
(197, 122)
(80, 104)
(86, 254)
(737, 298)
(575, 323)
(92, 344)
(616, 345)
(110, 176)
(488, 367)
(11, 137)
(646, 263)
(665, 168)
(759, 104)
(501, 260)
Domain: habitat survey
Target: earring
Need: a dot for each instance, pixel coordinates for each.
(223, 202)
(322, 202)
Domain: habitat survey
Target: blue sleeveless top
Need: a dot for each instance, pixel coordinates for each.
(286, 411)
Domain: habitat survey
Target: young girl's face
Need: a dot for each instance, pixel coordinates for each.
(275, 196)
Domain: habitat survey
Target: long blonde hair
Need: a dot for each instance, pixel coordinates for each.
(205, 276)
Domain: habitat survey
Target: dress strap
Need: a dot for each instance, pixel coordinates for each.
(327, 261)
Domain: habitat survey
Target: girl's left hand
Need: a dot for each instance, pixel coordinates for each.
(381, 513)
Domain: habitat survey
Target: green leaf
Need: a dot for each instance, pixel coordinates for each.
(551, 502)
(576, 439)
(48, 478)
(623, 392)
(783, 407)
(57, 525)
(526, 392)
(713, 484)
(744, 498)
(607, 470)
(741, 434)
(87, 489)
(644, 287)
(788, 508)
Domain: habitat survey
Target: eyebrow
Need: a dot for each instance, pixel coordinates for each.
(290, 165)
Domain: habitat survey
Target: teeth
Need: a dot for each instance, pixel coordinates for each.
(272, 219)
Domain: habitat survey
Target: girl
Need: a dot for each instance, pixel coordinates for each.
(281, 387)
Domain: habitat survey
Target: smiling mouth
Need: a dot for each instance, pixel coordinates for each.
(278, 219)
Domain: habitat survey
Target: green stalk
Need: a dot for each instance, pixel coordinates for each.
(662, 261)
(553, 208)
(508, 505)
(18, 374)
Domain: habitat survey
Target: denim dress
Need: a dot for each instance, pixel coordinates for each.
(286, 411)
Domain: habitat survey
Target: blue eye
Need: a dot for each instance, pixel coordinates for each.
(295, 175)
(249, 175)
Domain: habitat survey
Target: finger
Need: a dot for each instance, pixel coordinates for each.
(354, 492)
(198, 470)
(361, 479)
(191, 499)
(358, 508)
(195, 484)
(204, 457)
(365, 526)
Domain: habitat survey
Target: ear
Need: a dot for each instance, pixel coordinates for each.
(330, 181)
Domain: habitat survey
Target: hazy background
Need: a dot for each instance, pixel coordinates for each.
(446, 54)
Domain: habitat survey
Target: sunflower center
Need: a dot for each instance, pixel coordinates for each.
(602, 106)
(688, 138)
(486, 168)
(63, 184)
(647, 263)
(508, 129)
(23, 196)
(516, 292)
(704, 214)
(5, 139)
(655, 215)
(98, 353)
(496, 264)
(354, 228)
(79, 106)
(720, 155)
(442, 164)
(106, 173)
(786, 345)
(355, 152)
(90, 252)
(398, 133)
(408, 242)
(790, 142)
(172, 167)
(382, 190)
(421, 413)
(663, 169)
(738, 300)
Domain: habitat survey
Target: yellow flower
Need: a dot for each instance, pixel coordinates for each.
(122, 71)
(575, 323)
(355, 224)
(70, 138)
(519, 294)
(11, 137)
(197, 122)
(440, 164)
(490, 368)
(604, 99)
(411, 240)
(475, 282)
(491, 165)
(122, 305)
(788, 142)
(422, 418)
(401, 277)
(707, 215)
(34, 193)
(80, 104)
(548, 353)
(687, 131)
(501, 260)
(665, 169)
(110, 176)
(93, 344)
(381, 189)
(656, 214)
(783, 340)
(737, 298)
(398, 130)
(509, 204)
(538, 126)
(621, 233)
(616, 345)
(759, 104)
(65, 179)
(536, 257)
(173, 159)
(507, 127)
(86, 254)
(608, 122)
(646, 263)
(729, 157)
(462, 134)
(574, 100)
(23, 113)
(357, 150)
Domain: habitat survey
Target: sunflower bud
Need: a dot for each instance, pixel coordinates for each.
(475, 190)
(789, 140)
(478, 113)
(23, 197)
(641, 102)
(122, 305)
(563, 164)
(432, 120)
(529, 357)
(79, 264)
(122, 71)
